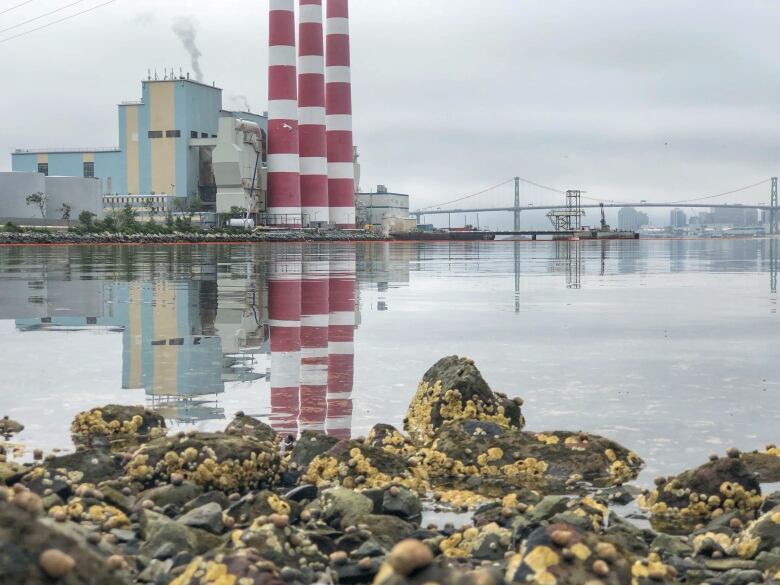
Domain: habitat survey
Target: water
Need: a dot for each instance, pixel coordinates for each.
(668, 347)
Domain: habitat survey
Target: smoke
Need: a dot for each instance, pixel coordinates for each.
(243, 100)
(185, 30)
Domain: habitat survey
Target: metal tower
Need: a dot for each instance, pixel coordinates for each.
(517, 204)
(568, 219)
(773, 211)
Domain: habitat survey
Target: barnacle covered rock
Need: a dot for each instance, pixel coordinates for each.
(561, 553)
(762, 535)
(116, 424)
(462, 450)
(486, 543)
(453, 390)
(724, 485)
(244, 567)
(279, 542)
(210, 460)
(766, 464)
(246, 426)
(9, 427)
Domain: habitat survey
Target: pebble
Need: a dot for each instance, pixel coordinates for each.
(600, 568)
(339, 557)
(561, 538)
(409, 556)
(115, 563)
(279, 521)
(56, 564)
(733, 453)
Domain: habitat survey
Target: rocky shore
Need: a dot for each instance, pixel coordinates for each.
(54, 237)
(137, 504)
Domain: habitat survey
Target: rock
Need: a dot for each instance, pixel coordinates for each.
(263, 503)
(286, 547)
(208, 517)
(246, 426)
(88, 466)
(341, 507)
(302, 493)
(10, 473)
(116, 424)
(212, 497)
(38, 550)
(217, 461)
(486, 543)
(348, 461)
(410, 556)
(155, 571)
(244, 567)
(387, 530)
(403, 503)
(175, 496)
(765, 465)
(158, 531)
(437, 572)
(696, 496)
(453, 390)
(672, 545)
(9, 427)
(390, 439)
(762, 535)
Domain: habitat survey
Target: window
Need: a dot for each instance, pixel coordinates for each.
(155, 134)
(43, 168)
(173, 133)
(89, 170)
(204, 134)
(193, 134)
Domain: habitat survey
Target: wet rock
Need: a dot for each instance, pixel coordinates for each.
(263, 503)
(25, 544)
(87, 466)
(410, 556)
(208, 517)
(765, 465)
(762, 535)
(547, 461)
(387, 530)
(246, 426)
(11, 472)
(403, 503)
(670, 545)
(696, 496)
(437, 572)
(156, 572)
(116, 424)
(487, 543)
(211, 460)
(305, 492)
(453, 390)
(352, 464)
(9, 427)
(341, 507)
(390, 439)
(158, 531)
(244, 567)
(169, 495)
(212, 497)
(285, 546)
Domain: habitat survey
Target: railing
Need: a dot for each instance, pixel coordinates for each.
(65, 150)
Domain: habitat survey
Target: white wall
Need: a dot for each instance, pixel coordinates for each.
(14, 187)
(81, 194)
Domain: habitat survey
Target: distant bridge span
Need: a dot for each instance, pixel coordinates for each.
(420, 213)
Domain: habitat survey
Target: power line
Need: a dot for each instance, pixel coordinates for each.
(15, 7)
(56, 10)
(57, 21)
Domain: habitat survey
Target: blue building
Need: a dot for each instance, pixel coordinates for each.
(165, 144)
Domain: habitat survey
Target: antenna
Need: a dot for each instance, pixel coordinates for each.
(149, 74)
(155, 73)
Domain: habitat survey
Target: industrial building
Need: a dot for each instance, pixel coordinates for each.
(62, 196)
(384, 210)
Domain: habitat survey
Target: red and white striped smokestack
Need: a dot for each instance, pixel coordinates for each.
(284, 184)
(311, 113)
(314, 344)
(284, 315)
(338, 107)
(341, 345)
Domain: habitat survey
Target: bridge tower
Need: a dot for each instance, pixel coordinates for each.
(517, 204)
(773, 211)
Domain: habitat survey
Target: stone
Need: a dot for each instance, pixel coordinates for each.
(302, 493)
(212, 497)
(90, 465)
(11, 472)
(56, 564)
(453, 389)
(403, 503)
(117, 425)
(765, 465)
(244, 567)
(387, 530)
(341, 507)
(157, 531)
(410, 556)
(176, 496)
(208, 517)
(9, 427)
(309, 446)
(246, 426)
(262, 503)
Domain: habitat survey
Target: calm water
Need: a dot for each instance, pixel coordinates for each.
(669, 347)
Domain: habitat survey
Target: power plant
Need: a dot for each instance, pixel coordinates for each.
(293, 167)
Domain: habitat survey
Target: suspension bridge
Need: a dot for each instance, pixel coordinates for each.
(485, 201)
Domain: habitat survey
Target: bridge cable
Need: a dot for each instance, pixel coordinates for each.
(682, 202)
(25, 33)
(15, 7)
(468, 196)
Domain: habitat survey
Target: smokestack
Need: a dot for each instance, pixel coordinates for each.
(284, 186)
(338, 99)
(341, 346)
(314, 342)
(311, 112)
(284, 316)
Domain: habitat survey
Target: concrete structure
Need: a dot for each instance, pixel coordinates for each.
(166, 141)
(79, 193)
(338, 99)
(382, 207)
(311, 111)
(284, 186)
(678, 219)
(631, 220)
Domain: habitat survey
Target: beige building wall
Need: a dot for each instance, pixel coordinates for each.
(133, 170)
(162, 118)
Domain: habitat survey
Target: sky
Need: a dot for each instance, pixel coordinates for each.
(625, 99)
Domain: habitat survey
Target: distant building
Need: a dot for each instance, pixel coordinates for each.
(734, 216)
(678, 219)
(382, 208)
(629, 219)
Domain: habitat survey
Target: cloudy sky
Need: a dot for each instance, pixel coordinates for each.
(627, 99)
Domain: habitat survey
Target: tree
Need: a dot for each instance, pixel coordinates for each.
(126, 218)
(66, 210)
(86, 220)
(38, 199)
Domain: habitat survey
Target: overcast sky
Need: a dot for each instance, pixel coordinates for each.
(627, 99)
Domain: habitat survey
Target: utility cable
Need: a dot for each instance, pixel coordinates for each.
(55, 11)
(57, 21)
(7, 10)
